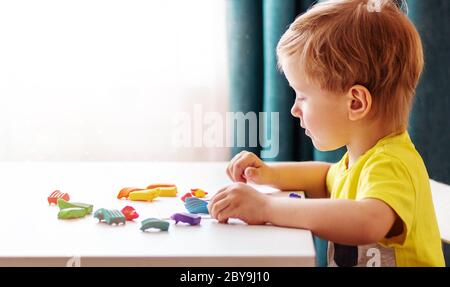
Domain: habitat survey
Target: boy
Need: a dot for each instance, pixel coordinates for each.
(354, 70)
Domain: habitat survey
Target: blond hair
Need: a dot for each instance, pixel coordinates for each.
(341, 43)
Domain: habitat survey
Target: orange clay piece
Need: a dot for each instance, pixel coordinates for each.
(198, 192)
(152, 186)
(124, 192)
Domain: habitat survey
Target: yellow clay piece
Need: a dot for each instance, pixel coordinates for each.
(167, 191)
(124, 192)
(199, 193)
(144, 195)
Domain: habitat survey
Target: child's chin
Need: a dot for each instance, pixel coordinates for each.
(321, 147)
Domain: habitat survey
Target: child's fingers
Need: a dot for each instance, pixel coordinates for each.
(218, 196)
(231, 164)
(253, 174)
(226, 214)
(229, 172)
(218, 207)
(240, 165)
(224, 221)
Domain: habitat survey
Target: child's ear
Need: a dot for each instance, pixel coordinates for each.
(359, 102)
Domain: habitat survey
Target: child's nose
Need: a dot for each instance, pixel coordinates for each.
(296, 111)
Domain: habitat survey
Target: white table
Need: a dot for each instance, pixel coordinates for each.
(31, 234)
(441, 200)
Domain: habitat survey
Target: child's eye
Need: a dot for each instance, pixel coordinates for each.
(300, 99)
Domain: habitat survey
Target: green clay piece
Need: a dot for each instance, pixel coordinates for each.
(62, 204)
(73, 212)
(155, 223)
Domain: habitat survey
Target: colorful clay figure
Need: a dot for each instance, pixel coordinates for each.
(152, 186)
(72, 212)
(154, 223)
(63, 204)
(198, 192)
(53, 197)
(124, 192)
(165, 190)
(299, 194)
(148, 194)
(144, 195)
(130, 213)
(188, 194)
(191, 219)
(196, 205)
(110, 216)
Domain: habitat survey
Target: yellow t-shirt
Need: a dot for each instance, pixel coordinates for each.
(392, 171)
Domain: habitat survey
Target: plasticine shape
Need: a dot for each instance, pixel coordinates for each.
(188, 194)
(130, 213)
(196, 205)
(294, 195)
(154, 223)
(72, 212)
(198, 192)
(110, 216)
(167, 191)
(62, 204)
(144, 195)
(191, 219)
(53, 197)
(124, 192)
(152, 186)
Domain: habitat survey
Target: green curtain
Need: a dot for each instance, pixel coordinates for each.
(254, 28)
(430, 119)
(245, 35)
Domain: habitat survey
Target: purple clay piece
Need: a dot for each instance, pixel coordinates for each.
(294, 195)
(192, 219)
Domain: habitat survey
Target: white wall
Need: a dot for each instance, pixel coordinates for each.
(102, 79)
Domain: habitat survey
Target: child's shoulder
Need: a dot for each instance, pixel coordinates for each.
(394, 158)
(397, 151)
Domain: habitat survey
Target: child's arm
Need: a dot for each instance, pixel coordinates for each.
(348, 222)
(307, 176)
(246, 167)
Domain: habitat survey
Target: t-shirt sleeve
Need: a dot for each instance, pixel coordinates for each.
(387, 179)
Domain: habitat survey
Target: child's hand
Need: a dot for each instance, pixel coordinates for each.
(246, 167)
(239, 201)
